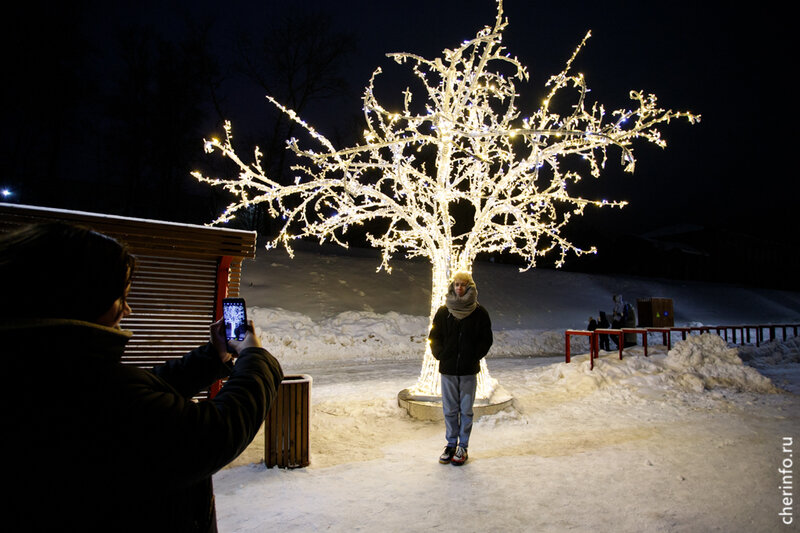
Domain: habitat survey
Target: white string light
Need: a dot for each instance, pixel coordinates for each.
(465, 143)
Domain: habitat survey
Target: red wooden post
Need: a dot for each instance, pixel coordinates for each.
(666, 336)
(566, 334)
(617, 332)
(223, 271)
(643, 332)
(683, 331)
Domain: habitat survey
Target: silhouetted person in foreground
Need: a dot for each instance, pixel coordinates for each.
(92, 444)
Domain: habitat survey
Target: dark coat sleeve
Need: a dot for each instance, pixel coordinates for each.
(438, 335)
(485, 339)
(193, 372)
(179, 441)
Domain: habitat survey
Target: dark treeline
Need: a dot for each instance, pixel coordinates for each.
(109, 115)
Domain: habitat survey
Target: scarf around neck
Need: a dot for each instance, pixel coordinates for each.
(461, 307)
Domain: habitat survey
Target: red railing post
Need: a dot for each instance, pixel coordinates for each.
(566, 334)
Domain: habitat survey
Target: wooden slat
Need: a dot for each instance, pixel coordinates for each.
(161, 238)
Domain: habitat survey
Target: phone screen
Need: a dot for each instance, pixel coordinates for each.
(235, 313)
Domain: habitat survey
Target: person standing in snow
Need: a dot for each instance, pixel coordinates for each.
(603, 324)
(92, 444)
(460, 337)
(617, 316)
(623, 317)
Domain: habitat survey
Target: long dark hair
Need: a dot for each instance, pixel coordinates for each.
(59, 270)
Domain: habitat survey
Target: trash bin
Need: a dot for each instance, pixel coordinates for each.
(287, 424)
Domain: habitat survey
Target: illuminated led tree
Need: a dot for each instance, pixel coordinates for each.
(463, 148)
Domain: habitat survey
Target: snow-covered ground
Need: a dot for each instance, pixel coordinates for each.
(689, 440)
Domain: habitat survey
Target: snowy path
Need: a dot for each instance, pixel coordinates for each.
(632, 446)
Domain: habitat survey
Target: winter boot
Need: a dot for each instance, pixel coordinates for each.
(447, 455)
(460, 456)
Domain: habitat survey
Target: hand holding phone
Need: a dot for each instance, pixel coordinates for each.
(234, 311)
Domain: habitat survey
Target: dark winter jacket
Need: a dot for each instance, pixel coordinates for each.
(96, 445)
(459, 345)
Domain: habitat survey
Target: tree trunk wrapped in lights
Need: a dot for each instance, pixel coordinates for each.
(463, 144)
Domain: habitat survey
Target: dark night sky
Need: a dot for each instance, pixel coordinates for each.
(734, 169)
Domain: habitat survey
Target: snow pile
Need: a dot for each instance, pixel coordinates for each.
(698, 364)
(531, 342)
(773, 353)
(353, 336)
(779, 360)
(362, 336)
(706, 362)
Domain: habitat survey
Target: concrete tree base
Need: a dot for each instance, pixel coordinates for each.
(430, 407)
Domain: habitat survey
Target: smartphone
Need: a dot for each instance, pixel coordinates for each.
(234, 311)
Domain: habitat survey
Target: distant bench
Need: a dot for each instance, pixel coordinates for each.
(722, 331)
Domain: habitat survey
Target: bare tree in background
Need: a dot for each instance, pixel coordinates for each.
(299, 58)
